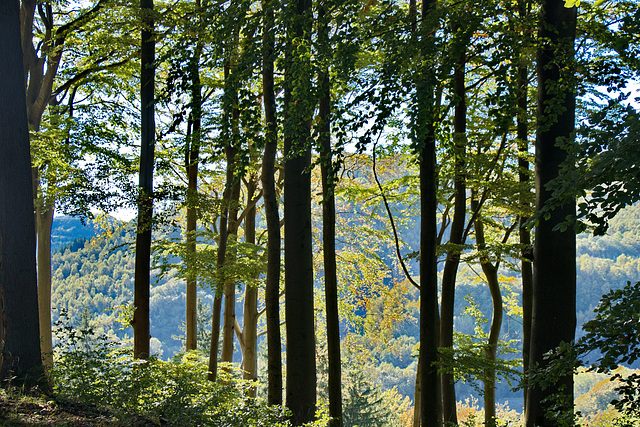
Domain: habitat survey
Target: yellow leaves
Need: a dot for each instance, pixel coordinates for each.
(571, 3)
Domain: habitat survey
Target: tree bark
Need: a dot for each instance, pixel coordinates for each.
(554, 275)
(329, 231)
(44, 221)
(456, 238)
(19, 333)
(299, 309)
(522, 126)
(272, 217)
(228, 326)
(140, 322)
(430, 398)
(250, 309)
(191, 166)
(491, 274)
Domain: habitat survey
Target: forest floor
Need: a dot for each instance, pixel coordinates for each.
(17, 409)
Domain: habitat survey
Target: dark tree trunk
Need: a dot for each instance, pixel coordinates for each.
(191, 166)
(298, 259)
(554, 275)
(329, 233)
(226, 227)
(430, 402)
(140, 320)
(272, 217)
(456, 239)
(526, 267)
(19, 333)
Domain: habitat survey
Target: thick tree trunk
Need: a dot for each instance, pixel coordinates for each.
(329, 234)
(299, 309)
(554, 275)
(140, 322)
(430, 398)
(456, 239)
(20, 356)
(44, 221)
(272, 217)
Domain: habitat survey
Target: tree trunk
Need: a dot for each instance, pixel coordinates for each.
(44, 221)
(526, 268)
(329, 231)
(491, 274)
(212, 375)
(272, 217)
(554, 275)
(250, 311)
(140, 322)
(299, 310)
(223, 238)
(228, 326)
(20, 358)
(456, 239)
(430, 402)
(191, 166)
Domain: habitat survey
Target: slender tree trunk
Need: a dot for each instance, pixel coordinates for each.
(329, 232)
(191, 166)
(491, 274)
(456, 238)
(20, 356)
(554, 275)
(250, 312)
(212, 375)
(44, 221)
(272, 217)
(526, 267)
(430, 399)
(299, 310)
(140, 322)
(223, 238)
(228, 326)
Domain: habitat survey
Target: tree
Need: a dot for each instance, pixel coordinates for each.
(191, 167)
(140, 321)
(329, 177)
(43, 43)
(272, 285)
(19, 333)
(298, 258)
(426, 121)
(554, 270)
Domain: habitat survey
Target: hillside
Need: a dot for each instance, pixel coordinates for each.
(95, 277)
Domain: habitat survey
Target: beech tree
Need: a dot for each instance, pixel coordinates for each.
(554, 267)
(272, 217)
(298, 257)
(20, 359)
(426, 122)
(140, 321)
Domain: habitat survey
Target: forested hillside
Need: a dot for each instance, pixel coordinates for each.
(93, 277)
